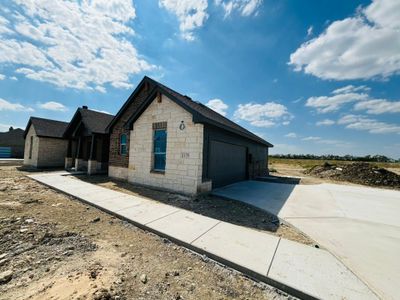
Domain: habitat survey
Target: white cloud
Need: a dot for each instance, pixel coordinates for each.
(14, 78)
(5, 105)
(263, 115)
(311, 138)
(351, 89)
(218, 105)
(378, 106)
(310, 30)
(2, 77)
(326, 122)
(191, 14)
(325, 104)
(291, 135)
(360, 47)
(349, 94)
(359, 122)
(100, 89)
(79, 45)
(244, 7)
(52, 105)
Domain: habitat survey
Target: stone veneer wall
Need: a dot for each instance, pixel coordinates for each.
(52, 152)
(35, 148)
(184, 158)
(118, 172)
(46, 152)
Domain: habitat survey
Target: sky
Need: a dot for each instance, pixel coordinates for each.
(316, 76)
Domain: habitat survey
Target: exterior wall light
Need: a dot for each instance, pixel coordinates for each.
(182, 126)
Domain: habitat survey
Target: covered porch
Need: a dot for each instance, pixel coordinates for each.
(88, 153)
(88, 141)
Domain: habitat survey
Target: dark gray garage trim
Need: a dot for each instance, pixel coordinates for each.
(227, 163)
(229, 158)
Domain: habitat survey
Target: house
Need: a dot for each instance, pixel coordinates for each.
(88, 141)
(163, 139)
(44, 143)
(12, 143)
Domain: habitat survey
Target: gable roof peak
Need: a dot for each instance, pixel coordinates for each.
(201, 113)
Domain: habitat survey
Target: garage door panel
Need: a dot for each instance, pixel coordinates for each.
(227, 163)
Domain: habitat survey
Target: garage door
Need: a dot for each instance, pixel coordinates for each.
(227, 163)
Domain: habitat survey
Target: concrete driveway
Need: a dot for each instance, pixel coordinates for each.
(359, 225)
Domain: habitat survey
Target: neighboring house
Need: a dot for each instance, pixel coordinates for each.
(44, 143)
(12, 143)
(163, 139)
(88, 141)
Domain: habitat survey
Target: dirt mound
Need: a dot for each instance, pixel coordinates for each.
(361, 173)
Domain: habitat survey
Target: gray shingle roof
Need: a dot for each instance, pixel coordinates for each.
(95, 121)
(47, 127)
(13, 137)
(205, 114)
(212, 115)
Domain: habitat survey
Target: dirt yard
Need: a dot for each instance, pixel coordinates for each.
(54, 247)
(384, 175)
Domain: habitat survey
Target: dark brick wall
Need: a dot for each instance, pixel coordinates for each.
(115, 159)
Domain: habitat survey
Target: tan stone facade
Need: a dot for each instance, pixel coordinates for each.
(46, 152)
(118, 172)
(31, 152)
(184, 155)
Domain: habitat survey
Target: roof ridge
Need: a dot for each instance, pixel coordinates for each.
(209, 109)
(46, 119)
(95, 111)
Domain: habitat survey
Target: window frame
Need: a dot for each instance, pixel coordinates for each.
(154, 169)
(30, 147)
(123, 144)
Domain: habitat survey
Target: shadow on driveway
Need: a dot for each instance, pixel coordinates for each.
(266, 195)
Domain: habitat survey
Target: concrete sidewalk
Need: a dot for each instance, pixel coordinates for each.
(298, 269)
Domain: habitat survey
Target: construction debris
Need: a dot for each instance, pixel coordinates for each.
(360, 173)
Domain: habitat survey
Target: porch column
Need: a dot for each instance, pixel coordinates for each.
(92, 162)
(78, 159)
(68, 158)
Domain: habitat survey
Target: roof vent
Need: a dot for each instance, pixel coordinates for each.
(186, 96)
(84, 107)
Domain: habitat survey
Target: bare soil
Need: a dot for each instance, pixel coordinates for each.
(367, 174)
(360, 173)
(54, 247)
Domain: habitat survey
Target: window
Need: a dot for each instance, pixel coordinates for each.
(122, 144)
(30, 147)
(160, 149)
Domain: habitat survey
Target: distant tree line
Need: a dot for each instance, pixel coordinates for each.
(369, 158)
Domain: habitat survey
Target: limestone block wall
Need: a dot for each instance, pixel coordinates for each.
(118, 172)
(52, 152)
(184, 157)
(33, 161)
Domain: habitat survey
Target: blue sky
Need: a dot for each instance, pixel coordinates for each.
(310, 77)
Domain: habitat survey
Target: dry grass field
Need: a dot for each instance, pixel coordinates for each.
(308, 163)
